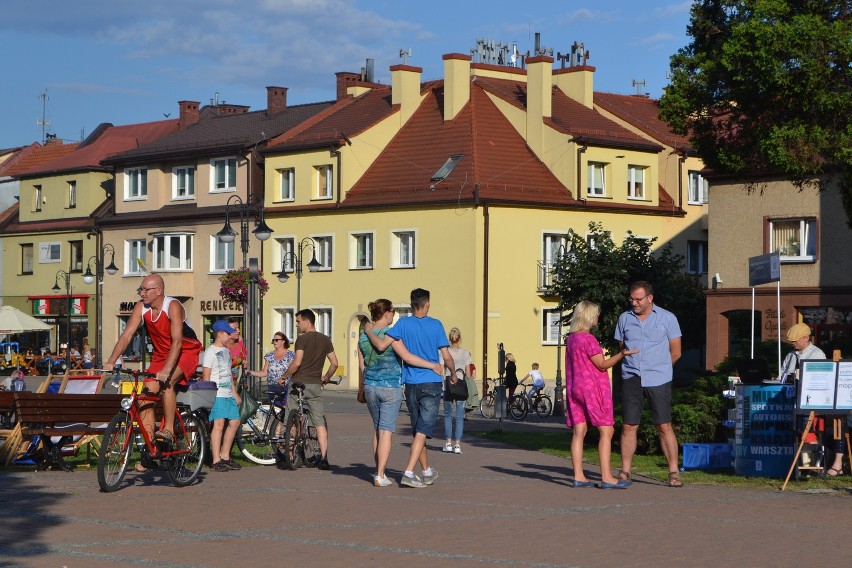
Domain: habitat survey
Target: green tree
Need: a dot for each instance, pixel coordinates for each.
(765, 87)
(597, 270)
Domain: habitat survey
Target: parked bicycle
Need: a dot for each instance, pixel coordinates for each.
(181, 459)
(521, 404)
(301, 446)
(261, 438)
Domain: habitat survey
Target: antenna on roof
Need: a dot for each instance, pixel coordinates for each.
(405, 54)
(638, 85)
(43, 122)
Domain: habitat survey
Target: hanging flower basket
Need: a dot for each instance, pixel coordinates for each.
(234, 285)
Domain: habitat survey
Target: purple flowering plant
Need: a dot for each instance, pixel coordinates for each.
(233, 285)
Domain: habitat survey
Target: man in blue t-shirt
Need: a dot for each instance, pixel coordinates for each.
(422, 336)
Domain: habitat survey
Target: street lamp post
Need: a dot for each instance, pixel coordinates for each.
(56, 289)
(88, 278)
(229, 235)
(559, 394)
(313, 266)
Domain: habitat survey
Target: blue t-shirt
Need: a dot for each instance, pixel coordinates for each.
(381, 368)
(653, 363)
(422, 337)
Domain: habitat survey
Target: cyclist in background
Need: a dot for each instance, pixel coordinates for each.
(537, 381)
(176, 349)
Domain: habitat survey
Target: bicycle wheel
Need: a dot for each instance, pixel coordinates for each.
(183, 469)
(293, 440)
(311, 454)
(253, 438)
(114, 455)
(518, 407)
(486, 406)
(543, 406)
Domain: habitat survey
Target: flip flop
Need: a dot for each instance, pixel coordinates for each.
(837, 472)
(674, 480)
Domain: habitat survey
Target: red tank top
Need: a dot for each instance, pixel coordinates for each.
(160, 330)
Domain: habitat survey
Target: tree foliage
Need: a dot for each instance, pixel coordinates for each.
(765, 87)
(597, 270)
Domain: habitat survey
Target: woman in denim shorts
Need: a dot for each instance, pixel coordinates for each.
(382, 385)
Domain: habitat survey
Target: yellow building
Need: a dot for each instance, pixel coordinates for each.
(467, 187)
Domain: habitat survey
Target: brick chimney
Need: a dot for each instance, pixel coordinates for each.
(276, 100)
(539, 99)
(405, 90)
(456, 83)
(344, 80)
(577, 83)
(188, 113)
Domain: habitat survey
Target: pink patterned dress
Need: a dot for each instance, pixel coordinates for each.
(587, 389)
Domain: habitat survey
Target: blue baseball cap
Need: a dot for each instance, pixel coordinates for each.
(222, 325)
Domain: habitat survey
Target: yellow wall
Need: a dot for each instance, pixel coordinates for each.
(55, 206)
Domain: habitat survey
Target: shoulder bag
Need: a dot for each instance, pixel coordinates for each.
(456, 391)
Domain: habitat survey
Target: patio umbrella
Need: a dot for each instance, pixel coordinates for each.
(13, 320)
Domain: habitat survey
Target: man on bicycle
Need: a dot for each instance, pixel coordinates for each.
(312, 349)
(176, 349)
(537, 381)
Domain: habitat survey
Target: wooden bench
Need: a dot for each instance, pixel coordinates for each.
(63, 415)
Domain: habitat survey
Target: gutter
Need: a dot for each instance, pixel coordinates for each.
(485, 246)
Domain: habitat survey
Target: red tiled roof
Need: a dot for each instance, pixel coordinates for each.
(12, 224)
(643, 113)
(8, 214)
(346, 118)
(496, 160)
(34, 156)
(106, 140)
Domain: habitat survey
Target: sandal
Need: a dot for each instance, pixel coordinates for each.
(139, 468)
(674, 480)
(625, 477)
(165, 435)
(837, 472)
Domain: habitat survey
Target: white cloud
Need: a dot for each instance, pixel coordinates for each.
(673, 10)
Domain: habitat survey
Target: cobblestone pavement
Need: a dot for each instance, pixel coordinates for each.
(492, 505)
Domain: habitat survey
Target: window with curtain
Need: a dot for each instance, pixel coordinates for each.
(597, 179)
(794, 239)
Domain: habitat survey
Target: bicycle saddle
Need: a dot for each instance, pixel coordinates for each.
(297, 387)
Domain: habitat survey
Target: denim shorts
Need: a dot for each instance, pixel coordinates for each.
(383, 404)
(423, 400)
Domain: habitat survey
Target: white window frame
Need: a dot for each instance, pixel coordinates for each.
(699, 189)
(38, 197)
(324, 320)
(325, 181)
(187, 175)
(72, 194)
(286, 184)
(286, 245)
(636, 187)
(136, 184)
(358, 241)
(75, 261)
(402, 311)
(24, 248)
(218, 246)
(285, 321)
(214, 168)
(549, 325)
(551, 241)
(324, 250)
(593, 190)
(184, 243)
(696, 257)
(397, 238)
(131, 266)
(803, 250)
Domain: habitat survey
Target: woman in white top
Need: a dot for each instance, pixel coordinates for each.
(454, 409)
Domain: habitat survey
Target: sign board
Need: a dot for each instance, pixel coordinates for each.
(825, 387)
(764, 269)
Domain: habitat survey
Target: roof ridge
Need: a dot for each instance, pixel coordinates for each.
(311, 121)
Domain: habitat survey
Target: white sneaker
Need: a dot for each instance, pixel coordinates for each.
(448, 447)
(411, 482)
(456, 449)
(381, 481)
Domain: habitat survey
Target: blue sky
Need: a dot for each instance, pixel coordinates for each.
(130, 61)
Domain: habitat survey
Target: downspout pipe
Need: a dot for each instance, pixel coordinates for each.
(485, 246)
(580, 151)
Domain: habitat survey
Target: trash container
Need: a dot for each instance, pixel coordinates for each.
(499, 402)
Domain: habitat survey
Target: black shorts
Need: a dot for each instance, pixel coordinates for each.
(632, 399)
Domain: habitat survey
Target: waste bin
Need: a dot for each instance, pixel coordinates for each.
(499, 402)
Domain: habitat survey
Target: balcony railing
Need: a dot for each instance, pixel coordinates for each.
(545, 276)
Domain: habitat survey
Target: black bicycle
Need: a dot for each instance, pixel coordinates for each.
(301, 446)
(261, 438)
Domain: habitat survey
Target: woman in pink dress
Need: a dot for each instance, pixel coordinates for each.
(589, 393)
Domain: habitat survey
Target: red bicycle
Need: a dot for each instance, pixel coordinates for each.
(182, 459)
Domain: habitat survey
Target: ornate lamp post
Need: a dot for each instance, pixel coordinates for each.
(88, 278)
(229, 235)
(559, 393)
(56, 289)
(313, 266)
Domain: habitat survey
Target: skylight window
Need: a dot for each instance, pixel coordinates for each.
(447, 168)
